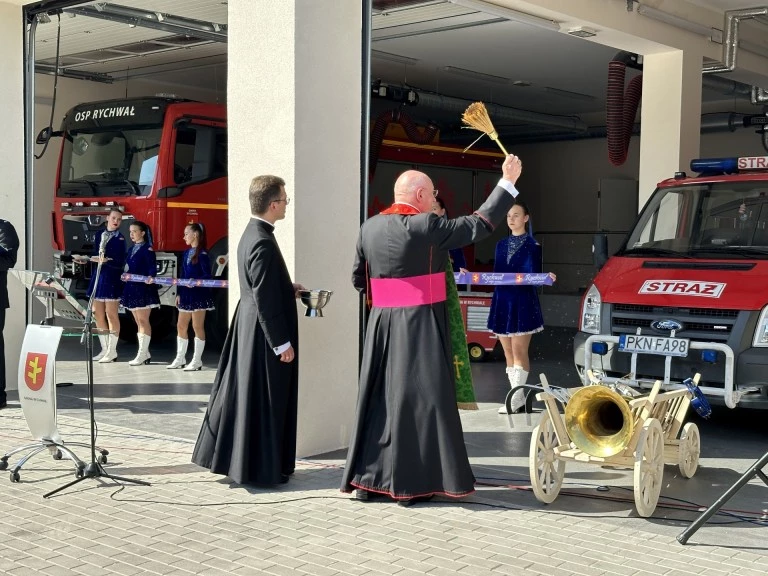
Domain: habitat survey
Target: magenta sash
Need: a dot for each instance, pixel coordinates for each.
(412, 291)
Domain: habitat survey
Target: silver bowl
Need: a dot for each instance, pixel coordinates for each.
(314, 300)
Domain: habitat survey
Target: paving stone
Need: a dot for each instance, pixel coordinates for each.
(93, 531)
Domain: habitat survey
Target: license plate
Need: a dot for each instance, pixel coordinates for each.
(653, 345)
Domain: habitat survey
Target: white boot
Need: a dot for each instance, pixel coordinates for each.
(517, 401)
(517, 376)
(103, 343)
(111, 353)
(197, 359)
(142, 356)
(511, 370)
(181, 353)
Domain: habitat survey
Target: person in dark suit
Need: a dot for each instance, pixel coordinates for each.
(9, 250)
(249, 429)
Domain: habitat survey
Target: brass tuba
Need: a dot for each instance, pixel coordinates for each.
(598, 421)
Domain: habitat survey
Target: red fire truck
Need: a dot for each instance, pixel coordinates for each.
(160, 160)
(474, 311)
(686, 292)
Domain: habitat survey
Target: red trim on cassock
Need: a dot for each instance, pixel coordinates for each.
(385, 493)
(402, 209)
(484, 219)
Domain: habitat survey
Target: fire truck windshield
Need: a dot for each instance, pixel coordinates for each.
(109, 162)
(717, 220)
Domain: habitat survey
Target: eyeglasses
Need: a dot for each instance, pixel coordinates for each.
(434, 193)
(286, 200)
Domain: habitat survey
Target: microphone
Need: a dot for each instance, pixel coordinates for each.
(104, 239)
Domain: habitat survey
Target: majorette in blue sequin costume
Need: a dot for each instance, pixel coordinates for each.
(197, 298)
(515, 310)
(110, 286)
(138, 295)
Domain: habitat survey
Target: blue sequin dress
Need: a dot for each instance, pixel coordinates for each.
(515, 310)
(110, 286)
(138, 295)
(198, 298)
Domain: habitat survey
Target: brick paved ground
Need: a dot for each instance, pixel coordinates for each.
(192, 522)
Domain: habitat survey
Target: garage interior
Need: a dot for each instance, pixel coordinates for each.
(545, 88)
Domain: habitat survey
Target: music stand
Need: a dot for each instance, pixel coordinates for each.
(755, 470)
(56, 299)
(41, 285)
(93, 469)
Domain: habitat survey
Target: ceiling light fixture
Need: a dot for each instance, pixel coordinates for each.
(582, 32)
(678, 22)
(77, 74)
(509, 14)
(475, 75)
(396, 58)
(568, 94)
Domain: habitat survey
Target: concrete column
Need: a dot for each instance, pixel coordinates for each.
(294, 111)
(12, 193)
(670, 116)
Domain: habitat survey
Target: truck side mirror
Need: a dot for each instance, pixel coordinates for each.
(600, 249)
(46, 134)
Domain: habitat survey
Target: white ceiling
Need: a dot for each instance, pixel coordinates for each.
(564, 75)
(94, 45)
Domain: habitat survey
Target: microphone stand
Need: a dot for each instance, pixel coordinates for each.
(93, 469)
(755, 470)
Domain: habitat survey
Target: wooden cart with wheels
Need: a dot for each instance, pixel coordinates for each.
(657, 419)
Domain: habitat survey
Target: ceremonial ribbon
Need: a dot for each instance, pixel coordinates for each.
(503, 278)
(186, 282)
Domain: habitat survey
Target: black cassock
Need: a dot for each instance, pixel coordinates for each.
(407, 439)
(249, 430)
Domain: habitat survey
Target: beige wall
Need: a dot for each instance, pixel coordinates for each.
(295, 91)
(12, 192)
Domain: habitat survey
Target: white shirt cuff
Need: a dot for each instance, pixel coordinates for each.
(280, 349)
(509, 187)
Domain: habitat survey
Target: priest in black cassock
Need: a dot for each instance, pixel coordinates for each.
(249, 430)
(407, 442)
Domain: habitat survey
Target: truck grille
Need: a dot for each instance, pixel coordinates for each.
(477, 318)
(702, 324)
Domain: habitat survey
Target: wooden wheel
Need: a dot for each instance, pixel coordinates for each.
(649, 467)
(546, 470)
(689, 450)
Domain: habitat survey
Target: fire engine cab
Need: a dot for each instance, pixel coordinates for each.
(687, 292)
(161, 160)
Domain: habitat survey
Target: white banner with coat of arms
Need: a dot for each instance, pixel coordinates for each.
(37, 384)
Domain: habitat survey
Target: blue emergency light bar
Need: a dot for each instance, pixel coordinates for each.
(729, 165)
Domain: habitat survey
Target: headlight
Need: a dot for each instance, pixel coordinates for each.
(761, 331)
(590, 311)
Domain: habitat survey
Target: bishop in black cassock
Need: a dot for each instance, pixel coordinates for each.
(407, 441)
